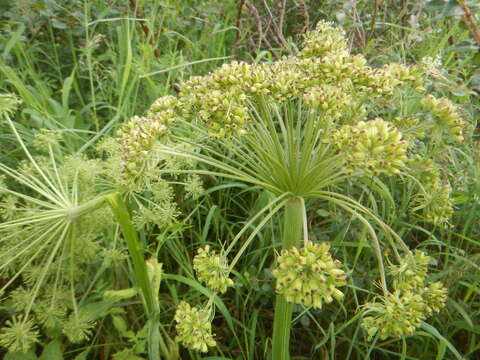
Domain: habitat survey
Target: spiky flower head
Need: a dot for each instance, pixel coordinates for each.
(435, 203)
(395, 316)
(18, 334)
(434, 297)
(8, 104)
(425, 170)
(411, 273)
(400, 313)
(446, 116)
(326, 38)
(139, 134)
(46, 139)
(78, 327)
(212, 269)
(309, 276)
(375, 147)
(332, 100)
(194, 328)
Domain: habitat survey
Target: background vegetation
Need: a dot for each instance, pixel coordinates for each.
(82, 68)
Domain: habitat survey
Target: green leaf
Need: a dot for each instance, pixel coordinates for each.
(435, 5)
(18, 355)
(82, 355)
(119, 324)
(323, 213)
(58, 24)
(434, 332)
(52, 351)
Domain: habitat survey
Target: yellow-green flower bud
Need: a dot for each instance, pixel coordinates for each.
(8, 104)
(194, 328)
(212, 269)
(446, 117)
(309, 276)
(331, 100)
(395, 316)
(325, 39)
(411, 273)
(375, 147)
(434, 297)
(435, 203)
(154, 272)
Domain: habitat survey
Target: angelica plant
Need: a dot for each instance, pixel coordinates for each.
(50, 232)
(305, 127)
(53, 231)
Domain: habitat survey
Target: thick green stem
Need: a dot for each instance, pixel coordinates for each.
(292, 234)
(140, 271)
(134, 248)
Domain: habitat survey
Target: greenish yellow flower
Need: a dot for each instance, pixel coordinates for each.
(410, 126)
(78, 327)
(309, 276)
(194, 328)
(212, 269)
(325, 39)
(18, 334)
(332, 100)
(46, 139)
(397, 315)
(403, 74)
(435, 203)
(434, 297)
(138, 135)
(8, 104)
(425, 171)
(411, 273)
(400, 313)
(375, 146)
(446, 116)
(167, 103)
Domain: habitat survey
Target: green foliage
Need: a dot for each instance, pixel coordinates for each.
(211, 163)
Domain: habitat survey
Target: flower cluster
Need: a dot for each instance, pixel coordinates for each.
(194, 328)
(212, 269)
(325, 39)
(309, 276)
(446, 117)
(324, 74)
(374, 146)
(433, 198)
(19, 334)
(410, 274)
(332, 100)
(397, 315)
(8, 104)
(139, 134)
(410, 126)
(436, 203)
(402, 74)
(400, 313)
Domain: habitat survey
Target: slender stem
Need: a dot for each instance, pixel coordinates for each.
(292, 235)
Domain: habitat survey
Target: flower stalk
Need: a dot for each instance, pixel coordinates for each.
(292, 235)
